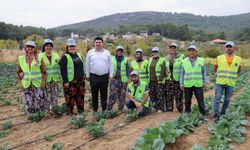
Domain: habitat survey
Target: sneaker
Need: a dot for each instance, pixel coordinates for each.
(159, 111)
(205, 119)
(216, 119)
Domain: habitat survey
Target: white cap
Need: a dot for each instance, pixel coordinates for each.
(155, 49)
(173, 44)
(192, 47)
(134, 73)
(30, 43)
(138, 50)
(71, 41)
(230, 43)
(47, 41)
(119, 47)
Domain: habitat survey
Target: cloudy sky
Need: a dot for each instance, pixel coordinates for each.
(53, 13)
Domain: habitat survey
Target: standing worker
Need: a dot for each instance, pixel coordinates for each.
(193, 79)
(173, 90)
(31, 78)
(118, 85)
(51, 60)
(99, 70)
(73, 78)
(157, 73)
(140, 65)
(227, 66)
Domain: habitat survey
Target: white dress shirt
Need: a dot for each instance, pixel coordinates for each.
(99, 63)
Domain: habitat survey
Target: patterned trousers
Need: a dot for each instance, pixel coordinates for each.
(117, 91)
(34, 100)
(174, 92)
(156, 94)
(75, 95)
(51, 93)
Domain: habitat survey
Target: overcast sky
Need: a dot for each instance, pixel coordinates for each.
(53, 13)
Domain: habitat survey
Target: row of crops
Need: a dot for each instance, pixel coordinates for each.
(8, 79)
(228, 129)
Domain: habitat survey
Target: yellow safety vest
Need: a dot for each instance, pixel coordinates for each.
(142, 70)
(227, 75)
(53, 68)
(193, 75)
(32, 74)
(140, 92)
(123, 72)
(70, 66)
(176, 68)
(157, 68)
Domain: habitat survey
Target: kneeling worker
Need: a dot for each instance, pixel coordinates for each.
(138, 95)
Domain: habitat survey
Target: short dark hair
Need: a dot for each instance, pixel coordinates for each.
(98, 38)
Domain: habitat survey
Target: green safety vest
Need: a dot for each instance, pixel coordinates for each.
(142, 70)
(227, 75)
(70, 66)
(140, 92)
(32, 74)
(53, 68)
(123, 72)
(157, 68)
(176, 68)
(193, 75)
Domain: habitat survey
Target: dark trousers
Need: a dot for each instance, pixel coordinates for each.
(131, 105)
(99, 83)
(75, 95)
(198, 92)
(173, 92)
(157, 95)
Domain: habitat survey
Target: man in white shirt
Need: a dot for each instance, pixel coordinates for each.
(99, 70)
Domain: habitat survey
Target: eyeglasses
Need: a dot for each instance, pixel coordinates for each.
(228, 46)
(72, 46)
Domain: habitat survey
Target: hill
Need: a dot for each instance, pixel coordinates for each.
(231, 23)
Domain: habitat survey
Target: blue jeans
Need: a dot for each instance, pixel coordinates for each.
(219, 89)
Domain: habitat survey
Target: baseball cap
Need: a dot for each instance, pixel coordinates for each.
(71, 41)
(155, 49)
(134, 73)
(47, 41)
(30, 43)
(138, 50)
(119, 47)
(192, 47)
(230, 43)
(173, 44)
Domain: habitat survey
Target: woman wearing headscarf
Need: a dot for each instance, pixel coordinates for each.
(51, 60)
(73, 78)
(31, 78)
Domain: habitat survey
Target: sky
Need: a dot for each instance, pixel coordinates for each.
(53, 13)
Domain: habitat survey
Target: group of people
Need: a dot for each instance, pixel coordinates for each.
(156, 82)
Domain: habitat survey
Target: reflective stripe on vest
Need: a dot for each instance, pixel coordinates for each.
(70, 66)
(141, 69)
(32, 74)
(193, 75)
(123, 72)
(157, 68)
(53, 68)
(227, 75)
(140, 92)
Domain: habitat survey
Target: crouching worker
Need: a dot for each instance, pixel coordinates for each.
(138, 95)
